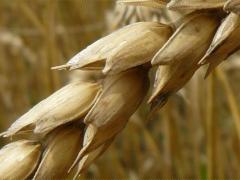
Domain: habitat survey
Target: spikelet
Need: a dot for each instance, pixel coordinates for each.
(67, 104)
(128, 47)
(225, 42)
(183, 55)
(19, 159)
(233, 6)
(121, 96)
(139, 50)
(61, 150)
(188, 37)
(146, 3)
(195, 4)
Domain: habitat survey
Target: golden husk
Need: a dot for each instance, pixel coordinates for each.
(183, 61)
(226, 41)
(128, 47)
(67, 104)
(62, 148)
(19, 159)
(120, 98)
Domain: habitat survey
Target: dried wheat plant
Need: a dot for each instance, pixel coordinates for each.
(62, 135)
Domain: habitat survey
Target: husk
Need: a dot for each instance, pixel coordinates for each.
(19, 159)
(188, 37)
(60, 153)
(183, 63)
(128, 47)
(121, 96)
(226, 41)
(89, 158)
(65, 105)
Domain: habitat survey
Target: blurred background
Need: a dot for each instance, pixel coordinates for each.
(196, 135)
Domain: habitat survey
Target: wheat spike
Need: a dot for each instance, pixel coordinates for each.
(75, 125)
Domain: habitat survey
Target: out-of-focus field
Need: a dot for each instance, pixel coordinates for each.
(196, 135)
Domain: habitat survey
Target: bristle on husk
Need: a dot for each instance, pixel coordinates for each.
(146, 3)
(195, 4)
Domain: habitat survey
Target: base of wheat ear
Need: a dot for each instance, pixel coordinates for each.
(67, 131)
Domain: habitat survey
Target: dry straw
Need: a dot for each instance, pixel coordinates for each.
(76, 124)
